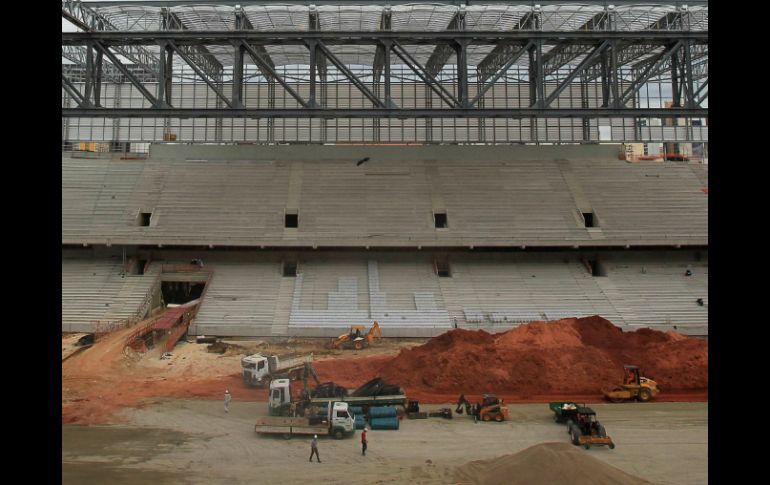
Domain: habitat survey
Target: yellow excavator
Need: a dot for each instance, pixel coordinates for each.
(356, 339)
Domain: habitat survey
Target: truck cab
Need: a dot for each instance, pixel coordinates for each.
(279, 402)
(255, 369)
(342, 421)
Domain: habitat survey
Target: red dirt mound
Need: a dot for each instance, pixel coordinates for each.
(577, 357)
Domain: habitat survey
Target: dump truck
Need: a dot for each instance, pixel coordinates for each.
(634, 387)
(259, 369)
(334, 419)
(585, 430)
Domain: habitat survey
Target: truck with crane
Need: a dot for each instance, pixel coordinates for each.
(334, 419)
(282, 403)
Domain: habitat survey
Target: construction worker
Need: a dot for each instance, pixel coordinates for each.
(631, 377)
(314, 449)
(363, 441)
(228, 398)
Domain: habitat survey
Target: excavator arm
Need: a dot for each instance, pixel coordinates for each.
(374, 332)
(462, 402)
(309, 371)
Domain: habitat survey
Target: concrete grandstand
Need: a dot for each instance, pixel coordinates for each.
(367, 245)
(286, 167)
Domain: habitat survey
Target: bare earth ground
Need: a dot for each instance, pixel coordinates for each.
(135, 420)
(194, 441)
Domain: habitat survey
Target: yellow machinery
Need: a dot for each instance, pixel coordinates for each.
(491, 408)
(634, 387)
(356, 339)
(586, 430)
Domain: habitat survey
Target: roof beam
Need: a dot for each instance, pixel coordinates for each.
(426, 77)
(77, 54)
(73, 92)
(649, 72)
(199, 71)
(491, 81)
(273, 75)
(187, 37)
(563, 54)
(199, 55)
(386, 113)
(503, 52)
(177, 3)
(90, 20)
(589, 60)
(242, 22)
(443, 52)
(106, 51)
(352, 77)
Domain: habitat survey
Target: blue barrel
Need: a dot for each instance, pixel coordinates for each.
(382, 412)
(357, 410)
(360, 421)
(385, 423)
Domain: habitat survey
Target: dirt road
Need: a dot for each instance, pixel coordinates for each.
(191, 442)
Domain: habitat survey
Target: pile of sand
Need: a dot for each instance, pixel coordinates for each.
(546, 463)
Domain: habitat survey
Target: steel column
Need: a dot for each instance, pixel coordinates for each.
(238, 53)
(164, 75)
(313, 47)
(462, 74)
(688, 75)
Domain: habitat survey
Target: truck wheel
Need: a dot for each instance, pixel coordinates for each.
(600, 429)
(337, 434)
(359, 345)
(575, 437)
(587, 446)
(645, 394)
(486, 417)
(499, 418)
(612, 446)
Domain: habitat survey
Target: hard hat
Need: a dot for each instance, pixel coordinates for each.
(366, 429)
(315, 436)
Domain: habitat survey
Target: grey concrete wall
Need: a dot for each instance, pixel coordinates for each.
(383, 153)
